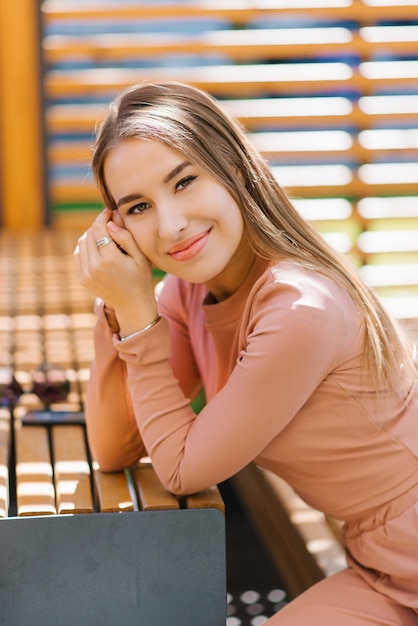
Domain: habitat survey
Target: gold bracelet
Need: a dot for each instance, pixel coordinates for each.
(138, 332)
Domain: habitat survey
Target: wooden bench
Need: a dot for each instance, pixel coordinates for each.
(304, 545)
(82, 547)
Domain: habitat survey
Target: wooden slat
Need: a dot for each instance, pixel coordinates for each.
(375, 209)
(388, 241)
(242, 80)
(254, 113)
(321, 536)
(317, 145)
(293, 145)
(151, 494)
(4, 461)
(234, 10)
(225, 80)
(112, 492)
(34, 476)
(239, 45)
(339, 180)
(301, 541)
(388, 109)
(208, 499)
(71, 470)
(337, 528)
(283, 112)
(384, 276)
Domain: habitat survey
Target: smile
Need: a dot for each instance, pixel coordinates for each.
(189, 248)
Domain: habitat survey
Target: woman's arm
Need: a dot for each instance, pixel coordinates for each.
(111, 427)
(290, 347)
(124, 282)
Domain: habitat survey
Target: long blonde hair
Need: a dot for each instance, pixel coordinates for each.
(192, 122)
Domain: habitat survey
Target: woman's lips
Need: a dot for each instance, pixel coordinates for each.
(189, 248)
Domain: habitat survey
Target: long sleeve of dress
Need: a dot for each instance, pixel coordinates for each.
(113, 433)
(111, 426)
(282, 363)
(291, 338)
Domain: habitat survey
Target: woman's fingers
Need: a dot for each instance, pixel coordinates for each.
(80, 255)
(117, 218)
(122, 238)
(125, 242)
(108, 228)
(99, 232)
(118, 279)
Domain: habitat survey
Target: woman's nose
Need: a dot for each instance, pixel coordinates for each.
(170, 222)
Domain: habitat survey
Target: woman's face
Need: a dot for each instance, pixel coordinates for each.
(182, 219)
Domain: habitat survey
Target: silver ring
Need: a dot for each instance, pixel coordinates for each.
(102, 242)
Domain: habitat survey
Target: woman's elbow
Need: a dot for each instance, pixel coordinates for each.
(114, 459)
(180, 486)
(112, 464)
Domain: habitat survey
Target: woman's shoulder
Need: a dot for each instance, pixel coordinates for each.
(298, 289)
(307, 279)
(298, 307)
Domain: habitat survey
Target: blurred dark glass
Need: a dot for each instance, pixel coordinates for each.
(10, 389)
(50, 384)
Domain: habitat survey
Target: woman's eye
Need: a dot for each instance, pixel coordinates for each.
(138, 208)
(184, 182)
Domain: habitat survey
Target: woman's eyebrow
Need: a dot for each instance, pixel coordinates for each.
(176, 171)
(129, 198)
(136, 196)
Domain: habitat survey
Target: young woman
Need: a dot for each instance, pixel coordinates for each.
(303, 370)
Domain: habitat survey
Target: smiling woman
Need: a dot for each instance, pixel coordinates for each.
(303, 370)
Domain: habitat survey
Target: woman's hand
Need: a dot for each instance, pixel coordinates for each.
(117, 272)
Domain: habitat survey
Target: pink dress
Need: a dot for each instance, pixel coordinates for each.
(281, 363)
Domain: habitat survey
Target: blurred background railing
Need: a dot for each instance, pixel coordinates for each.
(328, 90)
